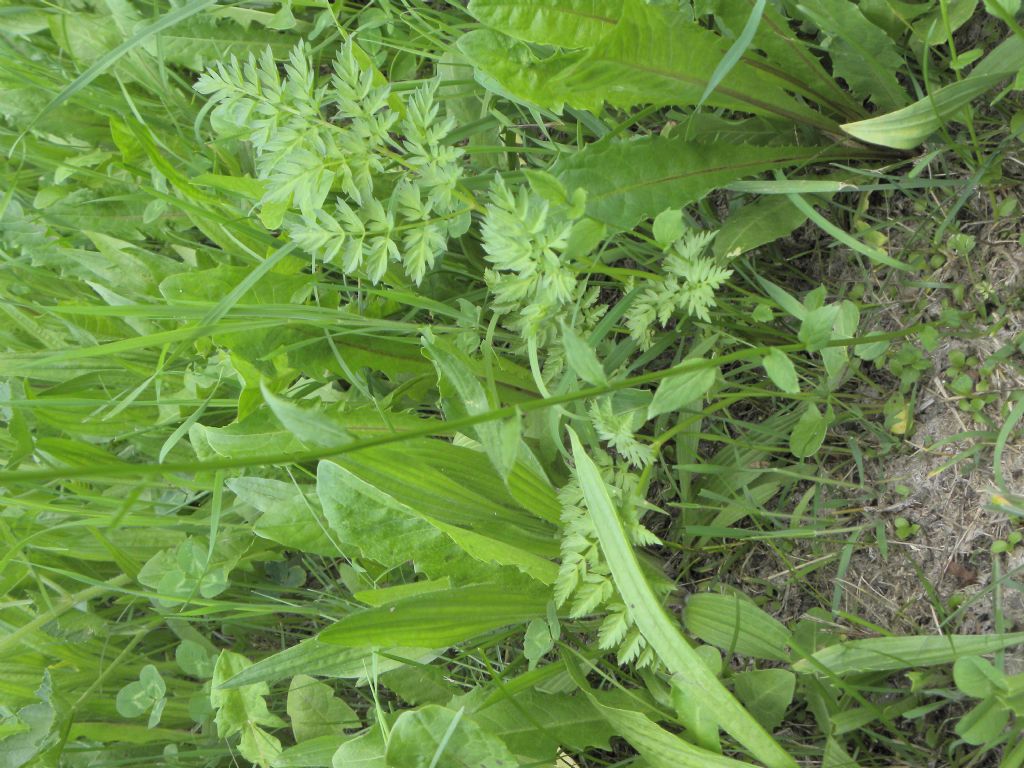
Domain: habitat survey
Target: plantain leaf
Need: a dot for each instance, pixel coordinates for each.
(536, 725)
(781, 371)
(659, 747)
(629, 180)
(906, 128)
(438, 619)
(734, 623)
(808, 433)
(757, 223)
(315, 711)
(437, 736)
(884, 654)
(316, 658)
(679, 391)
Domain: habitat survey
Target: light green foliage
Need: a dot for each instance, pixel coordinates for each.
(413, 385)
(689, 284)
(307, 136)
(437, 735)
(315, 711)
(1002, 697)
(143, 695)
(186, 571)
(526, 238)
(584, 575)
(244, 710)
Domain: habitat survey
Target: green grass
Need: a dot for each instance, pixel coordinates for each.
(418, 384)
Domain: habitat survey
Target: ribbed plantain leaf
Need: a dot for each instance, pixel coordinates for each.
(906, 128)
(629, 180)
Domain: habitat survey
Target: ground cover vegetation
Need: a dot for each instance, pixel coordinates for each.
(408, 384)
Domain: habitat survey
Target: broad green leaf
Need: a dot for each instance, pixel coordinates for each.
(315, 711)
(736, 51)
(789, 59)
(906, 128)
(566, 23)
(392, 531)
(537, 641)
(37, 729)
(258, 747)
(311, 426)
(464, 395)
(755, 224)
(862, 54)
(364, 751)
(781, 371)
(420, 684)
(194, 659)
(976, 677)
(816, 327)
(316, 658)
(291, 514)
(660, 631)
(204, 39)
(512, 69)
(701, 724)
(668, 227)
(734, 623)
(884, 654)
(932, 27)
(627, 181)
(243, 707)
(142, 695)
(984, 722)
(313, 753)
(437, 619)
(808, 433)
(682, 390)
(186, 571)
(385, 595)
(258, 435)
(435, 736)
(536, 725)
(453, 485)
(767, 693)
(661, 748)
(655, 55)
(582, 358)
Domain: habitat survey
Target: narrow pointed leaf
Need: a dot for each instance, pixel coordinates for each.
(881, 654)
(660, 631)
(438, 619)
(630, 180)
